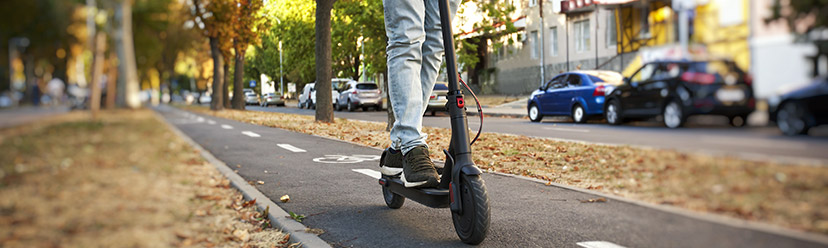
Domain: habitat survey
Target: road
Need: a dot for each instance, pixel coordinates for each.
(21, 115)
(344, 199)
(703, 134)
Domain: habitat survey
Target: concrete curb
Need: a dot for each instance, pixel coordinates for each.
(718, 219)
(278, 216)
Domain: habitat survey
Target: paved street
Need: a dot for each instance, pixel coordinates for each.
(706, 135)
(16, 116)
(344, 199)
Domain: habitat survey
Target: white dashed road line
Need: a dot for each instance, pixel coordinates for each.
(567, 129)
(225, 126)
(211, 122)
(251, 134)
(291, 148)
(368, 172)
(598, 244)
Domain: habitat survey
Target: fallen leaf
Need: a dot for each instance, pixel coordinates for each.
(242, 235)
(601, 199)
(316, 231)
(549, 183)
(285, 198)
(248, 203)
(260, 182)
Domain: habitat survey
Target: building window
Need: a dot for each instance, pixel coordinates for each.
(612, 30)
(582, 40)
(645, 22)
(533, 3)
(553, 38)
(533, 42)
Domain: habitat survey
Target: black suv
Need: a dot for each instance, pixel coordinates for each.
(678, 89)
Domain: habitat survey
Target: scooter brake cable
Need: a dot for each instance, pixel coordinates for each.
(479, 109)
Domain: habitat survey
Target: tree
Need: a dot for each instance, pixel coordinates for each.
(495, 24)
(247, 24)
(804, 17)
(324, 106)
(213, 17)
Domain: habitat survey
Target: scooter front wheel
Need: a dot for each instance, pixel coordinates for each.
(392, 199)
(473, 224)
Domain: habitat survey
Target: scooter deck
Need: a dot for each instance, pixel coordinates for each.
(430, 197)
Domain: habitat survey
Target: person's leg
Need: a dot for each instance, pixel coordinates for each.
(404, 28)
(433, 50)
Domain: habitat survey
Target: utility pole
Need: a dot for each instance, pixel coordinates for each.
(281, 76)
(542, 45)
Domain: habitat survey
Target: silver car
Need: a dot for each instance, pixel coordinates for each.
(272, 99)
(250, 97)
(353, 95)
(437, 101)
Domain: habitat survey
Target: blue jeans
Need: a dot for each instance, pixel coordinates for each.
(415, 53)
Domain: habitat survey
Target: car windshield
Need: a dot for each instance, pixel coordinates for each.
(440, 86)
(605, 77)
(717, 67)
(366, 86)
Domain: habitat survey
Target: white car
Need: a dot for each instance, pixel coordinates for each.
(205, 98)
(308, 97)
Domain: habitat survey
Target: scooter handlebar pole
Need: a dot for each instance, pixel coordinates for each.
(459, 127)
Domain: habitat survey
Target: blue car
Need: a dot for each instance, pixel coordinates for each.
(578, 94)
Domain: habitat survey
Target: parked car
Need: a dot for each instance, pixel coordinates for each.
(273, 99)
(681, 88)
(353, 95)
(304, 96)
(577, 94)
(250, 97)
(797, 110)
(437, 101)
(205, 98)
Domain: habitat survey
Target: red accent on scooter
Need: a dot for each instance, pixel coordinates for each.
(460, 102)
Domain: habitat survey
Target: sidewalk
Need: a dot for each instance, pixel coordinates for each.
(514, 109)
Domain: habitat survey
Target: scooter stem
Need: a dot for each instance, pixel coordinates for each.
(456, 104)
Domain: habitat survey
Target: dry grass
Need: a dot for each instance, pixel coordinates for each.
(491, 101)
(122, 181)
(786, 195)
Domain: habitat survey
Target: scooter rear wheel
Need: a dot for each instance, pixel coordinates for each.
(392, 199)
(473, 224)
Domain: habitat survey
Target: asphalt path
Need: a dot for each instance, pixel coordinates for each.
(704, 134)
(333, 184)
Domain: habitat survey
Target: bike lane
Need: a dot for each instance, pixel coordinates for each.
(330, 183)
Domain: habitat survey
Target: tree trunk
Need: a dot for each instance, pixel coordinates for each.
(97, 74)
(111, 81)
(324, 106)
(238, 88)
(218, 76)
(128, 85)
(226, 89)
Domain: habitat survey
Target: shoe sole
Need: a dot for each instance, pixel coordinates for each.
(390, 171)
(408, 184)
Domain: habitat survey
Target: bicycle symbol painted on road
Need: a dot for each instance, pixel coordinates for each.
(345, 159)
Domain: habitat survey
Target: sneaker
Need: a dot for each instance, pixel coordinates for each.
(391, 162)
(418, 169)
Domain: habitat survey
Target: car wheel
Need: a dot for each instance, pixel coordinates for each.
(534, 113)
(738, 121)
(791, 119)
(673, 115)
(336, 106)
(578, 114)
(351, 107)
(301, 105)
(613, 113)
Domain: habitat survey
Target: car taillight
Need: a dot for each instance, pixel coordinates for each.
(748, 79)
(698, 78)
(599, 91)
(432, 97)
(281, 97)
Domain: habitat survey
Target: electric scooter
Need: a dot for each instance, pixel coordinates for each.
(461, 189)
